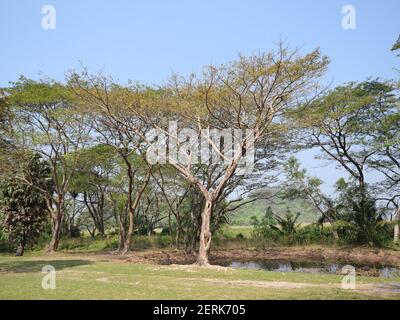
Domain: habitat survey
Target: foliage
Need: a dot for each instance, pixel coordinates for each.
(23, 207)
(277, 228)
(245, 215)
(365, 223)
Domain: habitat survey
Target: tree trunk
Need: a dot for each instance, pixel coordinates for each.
(397, 226)
(102, 233)
(335, 235)
(121, 240)
(205, 233)
(21, 248)
(128, 237)
(56, 232)
(122, 234)
(127, 243)
(132, 205)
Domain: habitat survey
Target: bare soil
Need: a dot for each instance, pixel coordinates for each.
(356, 255)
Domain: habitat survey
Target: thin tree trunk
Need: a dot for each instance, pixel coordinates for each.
(335, 235)
(21, 248)
(122, 234)
(128, 238)
(397, 226)
(132, 205)
(205, 233)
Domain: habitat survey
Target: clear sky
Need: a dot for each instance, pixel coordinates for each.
(148, 40)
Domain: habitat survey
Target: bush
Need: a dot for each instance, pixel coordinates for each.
(240, 236)
(4, 243)
(315, 234)
(75, 232)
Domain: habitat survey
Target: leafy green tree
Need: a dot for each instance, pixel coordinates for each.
(48, 120)
(338, 124)
(23, 207)
(92, 180)
(383, 136)
(263, 228)
(300, 185)
(357, 126)
(7, 147)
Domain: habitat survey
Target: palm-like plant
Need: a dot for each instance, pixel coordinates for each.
(367, 223)
(287, 225)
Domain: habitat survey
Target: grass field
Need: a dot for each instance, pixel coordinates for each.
(93, 277)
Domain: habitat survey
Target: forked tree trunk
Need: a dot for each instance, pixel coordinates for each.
(56, 233)
(205, 233)
(57, 216)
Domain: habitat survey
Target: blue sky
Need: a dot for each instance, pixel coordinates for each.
(148, 40)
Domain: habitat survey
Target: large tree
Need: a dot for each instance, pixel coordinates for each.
(336, 122)
(47, 121)
(356, 126)
(383, 135)
(251, 95)
(116, 128)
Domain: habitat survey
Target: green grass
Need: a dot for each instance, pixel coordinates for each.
(87, 277)
(231, 232)
(242, 215)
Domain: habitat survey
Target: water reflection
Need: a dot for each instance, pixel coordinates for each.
(314, 267)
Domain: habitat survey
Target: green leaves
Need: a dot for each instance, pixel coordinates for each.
(23, 207)
(30, 92)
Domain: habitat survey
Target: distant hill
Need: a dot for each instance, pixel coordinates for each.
(242, 216)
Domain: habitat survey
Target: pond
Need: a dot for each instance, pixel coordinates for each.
(378, 270)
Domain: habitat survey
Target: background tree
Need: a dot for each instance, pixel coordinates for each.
(300, 184)
(356, 125)
(119, 129)
(337, 122)
(23, 207)
(383, 136)
(92, 183)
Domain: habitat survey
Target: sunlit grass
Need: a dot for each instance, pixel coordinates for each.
(82, 277)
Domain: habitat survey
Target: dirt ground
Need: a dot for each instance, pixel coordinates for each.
(356, 255)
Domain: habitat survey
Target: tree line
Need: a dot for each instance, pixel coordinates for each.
(75, 153)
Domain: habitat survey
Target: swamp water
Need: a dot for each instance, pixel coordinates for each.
(376, 270)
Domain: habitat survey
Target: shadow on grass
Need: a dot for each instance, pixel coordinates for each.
(37, 265)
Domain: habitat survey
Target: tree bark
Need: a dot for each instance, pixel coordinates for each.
(21, 248)
(122, 234)
(397, 226)
(56, 232)
(205, 233)
(132, 205)
(335, 235)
